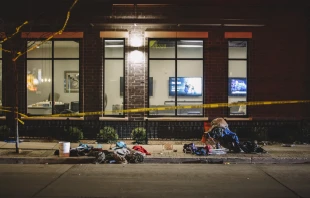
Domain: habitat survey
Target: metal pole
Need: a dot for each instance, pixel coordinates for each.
(17, 135)
(15, 114)
(147, 130)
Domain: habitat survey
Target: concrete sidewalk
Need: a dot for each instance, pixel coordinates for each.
(161, 152)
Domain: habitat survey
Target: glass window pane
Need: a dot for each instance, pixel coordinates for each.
(39, 86)
(66, 85)
(237, 109)
(237, 49)
(114, 48)
(66, 49)
(41, 51)
(190, 49)
(237, 77)
(190, 86)
(160, 72)
(237, 68)
(114, 86)
(162, 48)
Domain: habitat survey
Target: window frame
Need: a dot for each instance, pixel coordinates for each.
(176, 59)
(247, 75)
(53, 67)
(103, 77)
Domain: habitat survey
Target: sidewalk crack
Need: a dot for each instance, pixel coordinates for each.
(51, 182)
(295, 193)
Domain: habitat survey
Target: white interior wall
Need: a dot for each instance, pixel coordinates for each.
(161, 70)
(112, 73)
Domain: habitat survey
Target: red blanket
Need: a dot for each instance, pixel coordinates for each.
(141, 149)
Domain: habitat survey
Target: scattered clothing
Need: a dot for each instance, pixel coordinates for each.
(141, 149)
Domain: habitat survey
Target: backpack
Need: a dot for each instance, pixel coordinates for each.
(189, 148)
(251, 147)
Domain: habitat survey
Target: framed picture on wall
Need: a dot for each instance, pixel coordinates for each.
(71, 82)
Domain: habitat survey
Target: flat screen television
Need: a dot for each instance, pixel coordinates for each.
(237, 86)
(186, 86)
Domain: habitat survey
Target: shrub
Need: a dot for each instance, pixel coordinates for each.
(73, 134)
(138, 134)
(4, 132)
(107, 135)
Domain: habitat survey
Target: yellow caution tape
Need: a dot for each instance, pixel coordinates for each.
(162, 108)
(214, 105)
(20, 121)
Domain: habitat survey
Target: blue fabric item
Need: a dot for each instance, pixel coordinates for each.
(231, 134)
(121, 144)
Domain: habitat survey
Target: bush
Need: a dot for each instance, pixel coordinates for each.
(4, 132)
(73, 134)
(139, 134)
(107, 135)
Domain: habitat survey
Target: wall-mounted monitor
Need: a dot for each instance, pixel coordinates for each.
(185, 86)
(121, 82)
(237, 86)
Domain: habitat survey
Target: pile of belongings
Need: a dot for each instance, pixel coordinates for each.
(81, 150)
(200, 150)
(220, 133)
(121, 154)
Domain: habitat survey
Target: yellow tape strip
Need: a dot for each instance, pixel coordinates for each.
(21, 121)
(215, 105)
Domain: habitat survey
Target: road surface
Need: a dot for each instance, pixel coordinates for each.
(154, 180)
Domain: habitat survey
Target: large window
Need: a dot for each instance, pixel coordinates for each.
(114, 81)
(237, 77)
(176, 76)
(53, 78)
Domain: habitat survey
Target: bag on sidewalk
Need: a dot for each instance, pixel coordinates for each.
(189, 148)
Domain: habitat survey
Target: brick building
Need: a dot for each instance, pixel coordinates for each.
(157, 54)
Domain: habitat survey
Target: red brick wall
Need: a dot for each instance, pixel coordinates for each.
(278, 65)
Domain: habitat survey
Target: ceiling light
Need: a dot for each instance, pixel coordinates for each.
(189, 45)
(244, 25)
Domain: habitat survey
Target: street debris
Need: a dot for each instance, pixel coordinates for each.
(219, 139)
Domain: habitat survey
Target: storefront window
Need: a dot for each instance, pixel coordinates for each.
(114, 81)
(237, 77)
(53, 78)
(176, 76)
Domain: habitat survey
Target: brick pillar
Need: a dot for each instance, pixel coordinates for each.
(14, 92)
(91, 73)
(136, 76)
(215, 73)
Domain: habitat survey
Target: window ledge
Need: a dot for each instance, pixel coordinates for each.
(177, 119)
(113, 119)
(52, 118)
(238, 119)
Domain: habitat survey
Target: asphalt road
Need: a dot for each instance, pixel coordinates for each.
(154, 180)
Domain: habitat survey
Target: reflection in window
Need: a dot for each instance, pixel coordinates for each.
(176, 70)
(237, 77)
(53, 82)
(114, 81)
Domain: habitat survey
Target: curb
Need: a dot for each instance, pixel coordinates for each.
(46, 160)
(207, 160)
